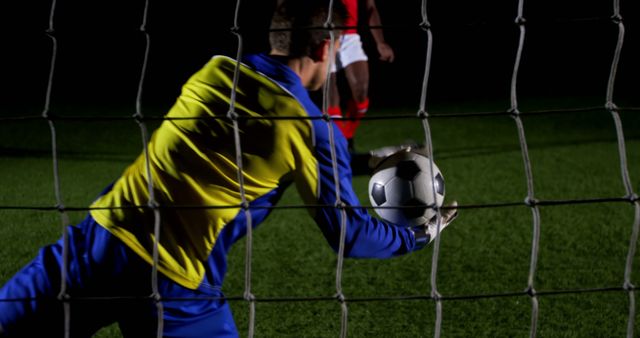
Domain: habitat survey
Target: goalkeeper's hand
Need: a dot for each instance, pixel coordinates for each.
(426, 233)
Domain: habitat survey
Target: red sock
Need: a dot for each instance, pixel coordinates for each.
(336, 112)
(356, 110)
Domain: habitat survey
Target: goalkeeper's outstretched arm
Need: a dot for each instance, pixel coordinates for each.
(366, 236)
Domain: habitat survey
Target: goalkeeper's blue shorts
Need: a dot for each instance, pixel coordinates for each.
(107, 283)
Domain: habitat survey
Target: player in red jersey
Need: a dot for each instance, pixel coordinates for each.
(352, 59)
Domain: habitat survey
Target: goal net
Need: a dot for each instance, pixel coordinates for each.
(529, 109)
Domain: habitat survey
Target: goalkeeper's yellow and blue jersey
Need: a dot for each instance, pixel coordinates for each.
(194, 174)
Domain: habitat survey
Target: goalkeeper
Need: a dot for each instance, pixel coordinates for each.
(192, 162)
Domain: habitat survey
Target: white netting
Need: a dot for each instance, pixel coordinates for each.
(424, 116)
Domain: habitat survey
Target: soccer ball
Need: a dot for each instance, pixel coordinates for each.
(404, 180)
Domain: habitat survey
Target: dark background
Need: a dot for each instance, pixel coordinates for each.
(568, 50)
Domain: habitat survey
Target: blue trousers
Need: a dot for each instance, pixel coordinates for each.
(101, 266)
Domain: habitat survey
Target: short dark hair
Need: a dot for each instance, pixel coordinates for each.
(298, 25)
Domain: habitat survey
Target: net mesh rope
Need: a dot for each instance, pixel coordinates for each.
(424, 116)
(528, 173)
(152, 203)
(62, 295)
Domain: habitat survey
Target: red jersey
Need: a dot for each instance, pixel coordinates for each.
(352, 16)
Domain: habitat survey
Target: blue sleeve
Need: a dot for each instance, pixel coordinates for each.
(366, 236)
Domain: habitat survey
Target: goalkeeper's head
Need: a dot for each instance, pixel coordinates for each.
(298, 28)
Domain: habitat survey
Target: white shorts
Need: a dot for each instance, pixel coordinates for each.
(350, 51)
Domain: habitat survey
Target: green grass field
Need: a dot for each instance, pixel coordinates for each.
(485, 251)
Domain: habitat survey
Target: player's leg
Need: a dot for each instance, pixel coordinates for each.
(186, 313)
(356, 67)
(28, 300)
(30, 306)
(205, 320)
(357, 75)
(115, 271)
(334, 110)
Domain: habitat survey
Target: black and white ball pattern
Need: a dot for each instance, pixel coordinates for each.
(406, 189)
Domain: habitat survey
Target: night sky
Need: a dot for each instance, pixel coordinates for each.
(568, 49)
